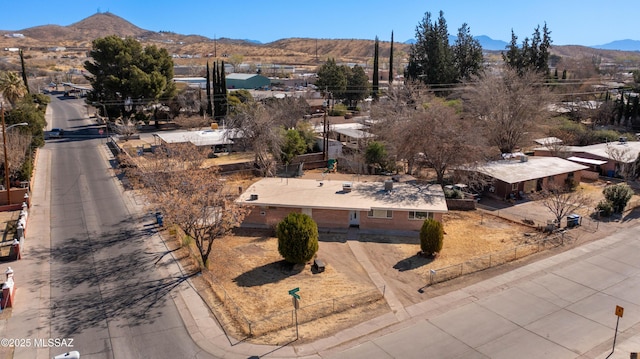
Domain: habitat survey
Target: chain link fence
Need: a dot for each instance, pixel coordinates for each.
(232, 312)
(537, 243)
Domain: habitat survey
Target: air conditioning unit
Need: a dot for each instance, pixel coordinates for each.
(524, 158)
(346, 187)
(388, 185)
(253, 197)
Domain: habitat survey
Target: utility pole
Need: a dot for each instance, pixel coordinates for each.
(6, 160)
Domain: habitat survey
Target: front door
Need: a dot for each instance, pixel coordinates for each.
(354, 219)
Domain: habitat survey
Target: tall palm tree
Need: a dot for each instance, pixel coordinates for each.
(11, 87)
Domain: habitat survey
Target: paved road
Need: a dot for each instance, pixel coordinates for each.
(109, 290)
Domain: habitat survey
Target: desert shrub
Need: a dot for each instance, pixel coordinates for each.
(297, 238)
(605, 208)
(453, 194)
(339, 109)
(431, 236)
(619, 195)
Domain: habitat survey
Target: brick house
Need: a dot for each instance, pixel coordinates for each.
(332, 204)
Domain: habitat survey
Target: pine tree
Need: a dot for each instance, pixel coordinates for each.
(532, 55)
(376, 78)
(431, 58)
(467, 54)
(391, 61)
(512, 56)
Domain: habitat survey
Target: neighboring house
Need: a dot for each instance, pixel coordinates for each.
(607, 159)
(513, 178)
(352, 136)
(217, 139)
(335, 204)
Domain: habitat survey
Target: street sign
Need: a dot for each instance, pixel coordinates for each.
(296, 303)
(619, 311)
(294, 293)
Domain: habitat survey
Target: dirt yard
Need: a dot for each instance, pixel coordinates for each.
(251, 281)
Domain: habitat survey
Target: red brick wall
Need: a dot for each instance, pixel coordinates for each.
(331, 218)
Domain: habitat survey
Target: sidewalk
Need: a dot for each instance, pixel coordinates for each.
(31, 274)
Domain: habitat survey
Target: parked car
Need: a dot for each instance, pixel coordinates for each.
(56, 133)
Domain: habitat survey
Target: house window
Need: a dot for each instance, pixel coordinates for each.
(420, 215)
(380, 213)
(514, 187)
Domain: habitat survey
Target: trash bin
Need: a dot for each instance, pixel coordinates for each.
(573, 220)
(159, 219)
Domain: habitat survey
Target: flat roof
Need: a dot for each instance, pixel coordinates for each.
(626, 151)
(514, 171)
(329, 194)
(589, 161)
(546, 141)
(198, 138)
(354, 133)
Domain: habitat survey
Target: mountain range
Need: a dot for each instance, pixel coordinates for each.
(297, 51)
(490, 44)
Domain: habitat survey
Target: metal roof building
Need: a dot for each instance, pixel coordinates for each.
(247, 81)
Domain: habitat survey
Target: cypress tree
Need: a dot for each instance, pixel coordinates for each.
(391, 60)
(209, 105)
(376, 79)
(24, 73)
(224, 106)
(216, 94)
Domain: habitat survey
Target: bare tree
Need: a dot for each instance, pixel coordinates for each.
(509, 104)
(558, 149)
(259, 132)
(190, 195)
(191, 122)
(624, 159)
(18, 151)
(445, 140)
(287, 111)
(561, 201)
(424, 131)
(391, 114)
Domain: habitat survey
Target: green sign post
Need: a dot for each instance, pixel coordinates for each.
(295, 296)
(294, 293)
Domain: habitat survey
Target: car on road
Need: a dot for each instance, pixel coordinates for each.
(56, 133)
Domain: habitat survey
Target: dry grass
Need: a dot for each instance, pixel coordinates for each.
(247, 283)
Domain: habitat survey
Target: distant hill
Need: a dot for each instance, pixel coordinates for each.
(622, 45)
(295, 51)
(486, 42)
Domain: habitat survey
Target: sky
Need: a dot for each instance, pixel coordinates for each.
(571, 22)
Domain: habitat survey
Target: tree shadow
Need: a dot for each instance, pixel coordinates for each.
(137, 301)
(631, 215)
(95, 286)
(268, 273)
(413, 262)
